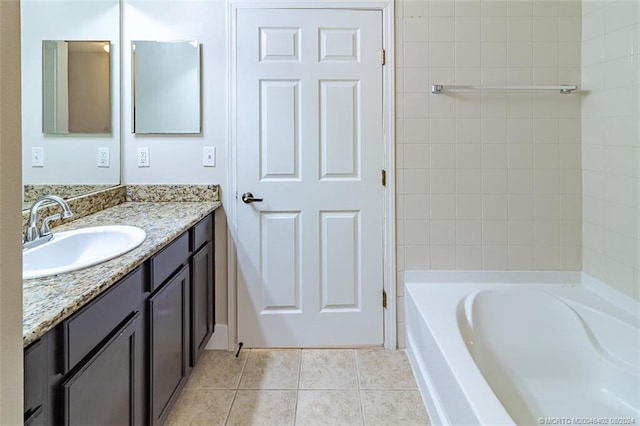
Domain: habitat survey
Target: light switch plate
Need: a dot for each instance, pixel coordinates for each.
(209, 156)
(37, 156)
(143, 157)
(103, 157)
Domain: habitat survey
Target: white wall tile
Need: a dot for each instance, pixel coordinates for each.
(442, 181)
(520, 257)
(495, 207)
(468, 232)
(443, 232)
(443, 156)
(469, 207)
(416, 156)
(443, 257)
(468, 257)
(520, 232)
(442, 29)
(494, 181)
(416, 257)
(468, 181)
(443, 207)
(416, 181)
(494, 156)
(416, 207)
(468, 156)
(495, 178)
(495, 258)
(495, 233)
(416, 232)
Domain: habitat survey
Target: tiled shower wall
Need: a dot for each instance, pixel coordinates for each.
(487, 180)
(610, 120)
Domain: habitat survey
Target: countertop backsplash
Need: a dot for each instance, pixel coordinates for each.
(87, 204)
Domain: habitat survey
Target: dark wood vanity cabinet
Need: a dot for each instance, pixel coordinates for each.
(169, 344)
(202, 292)
(125, 357)
(107, 388)
(98, 365)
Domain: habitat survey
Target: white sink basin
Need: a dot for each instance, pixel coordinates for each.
(73, 250)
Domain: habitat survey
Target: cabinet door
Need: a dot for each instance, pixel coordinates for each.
(202, 300)
(169, 346)
(105, 389)
(35, 378)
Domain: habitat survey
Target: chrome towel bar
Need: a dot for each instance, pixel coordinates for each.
(563, 88)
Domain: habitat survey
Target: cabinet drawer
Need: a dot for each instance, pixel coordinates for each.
(169, 260)
(201, 233)
(94, 322)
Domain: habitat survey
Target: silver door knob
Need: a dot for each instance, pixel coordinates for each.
(247, 198)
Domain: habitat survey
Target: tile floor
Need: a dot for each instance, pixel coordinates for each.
(301, 387)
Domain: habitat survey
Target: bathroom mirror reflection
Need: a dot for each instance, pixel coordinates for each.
(66, 163)
(76, 87)
(166, 86)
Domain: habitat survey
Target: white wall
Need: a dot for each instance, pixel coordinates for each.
(68, 158)
(11, 376)
(178, 158)
(493, 180)
(611, 142)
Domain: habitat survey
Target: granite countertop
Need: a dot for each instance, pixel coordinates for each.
(49, 300)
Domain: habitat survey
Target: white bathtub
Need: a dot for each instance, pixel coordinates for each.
(523, 348)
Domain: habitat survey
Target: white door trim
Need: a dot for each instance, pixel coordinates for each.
(229, 198)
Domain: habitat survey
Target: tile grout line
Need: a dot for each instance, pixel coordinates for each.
(295, 405)
(355, 361)
(235, 392)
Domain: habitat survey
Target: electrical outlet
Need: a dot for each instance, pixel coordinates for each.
(143, 157)
(103, 157)
(209, 156)
(37, 156)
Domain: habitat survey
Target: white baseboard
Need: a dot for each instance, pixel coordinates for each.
(219, 340)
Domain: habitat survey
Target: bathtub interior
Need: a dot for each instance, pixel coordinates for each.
(597, 376)
(542, 358)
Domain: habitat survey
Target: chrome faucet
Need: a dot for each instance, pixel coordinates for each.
(33, 237)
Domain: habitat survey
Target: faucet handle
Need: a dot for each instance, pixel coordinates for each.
(44, 229)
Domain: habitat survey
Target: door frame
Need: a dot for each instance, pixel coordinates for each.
(388, 115)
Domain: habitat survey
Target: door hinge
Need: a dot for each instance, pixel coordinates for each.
(384, 299)
(384, 177)
(383, 57)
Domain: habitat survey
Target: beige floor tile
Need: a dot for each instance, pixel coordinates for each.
(263, 407)
(201, 407)
(378, 369)
(393, 408)
(328, 407)
(328, 369)
(271, 369)
(217, 370)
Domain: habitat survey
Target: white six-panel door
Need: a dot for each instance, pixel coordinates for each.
(310, 145)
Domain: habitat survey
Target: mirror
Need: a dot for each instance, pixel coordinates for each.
(76, 87)
(68, 163)
(166, 86)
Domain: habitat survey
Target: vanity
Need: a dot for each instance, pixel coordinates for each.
(115, 343)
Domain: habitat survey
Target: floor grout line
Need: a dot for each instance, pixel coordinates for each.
(295, 405)
(355, 361)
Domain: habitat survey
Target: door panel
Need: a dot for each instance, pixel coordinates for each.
(280, 241)
(340, 243)
(340, 129)
(279, 129)
(310, 144)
